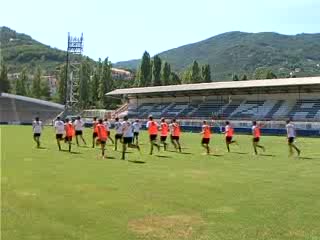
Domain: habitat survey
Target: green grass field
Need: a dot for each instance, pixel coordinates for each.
(47, 194)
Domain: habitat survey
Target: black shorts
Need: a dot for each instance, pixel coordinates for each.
(290, 139)
(59, 136)
(68, 138)
(163, 138)
(175, 137)
(79, 132)
(102, 141)
(256, 139)
(118, 136)
(205, 141)
(94, 134)
(228, 139)
(127, 140)
(135, 134)
(153, 137)
(37, 134)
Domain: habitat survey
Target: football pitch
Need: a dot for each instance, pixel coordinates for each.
(47, 194)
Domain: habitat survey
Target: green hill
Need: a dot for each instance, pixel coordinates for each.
(242, 53)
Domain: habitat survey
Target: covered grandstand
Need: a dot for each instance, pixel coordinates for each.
(272, 100)
(15, 109)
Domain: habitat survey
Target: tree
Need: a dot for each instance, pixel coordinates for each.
(106, 82)
(84, 86)
(186, 76)
(156, 71)
(62, 83)
(36, 84)
(45, 89)
(195, 73)
(145, 70)
(270, 75)
(4, 81)
(244, 77)
(174, 79)
(206, 73)
(96, 83)
(264, 73)
(21, 84)
(235, 77)
(166, 73)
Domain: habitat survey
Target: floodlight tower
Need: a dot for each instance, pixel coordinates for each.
(73, 63)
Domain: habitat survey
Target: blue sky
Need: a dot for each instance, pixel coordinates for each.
(123, 29)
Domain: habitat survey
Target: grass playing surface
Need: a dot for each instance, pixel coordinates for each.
(47, 194)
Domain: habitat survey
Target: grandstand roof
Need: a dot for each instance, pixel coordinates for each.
(32, 100)
(309, 84)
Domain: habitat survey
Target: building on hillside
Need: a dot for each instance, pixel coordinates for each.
(118, 73)
(52, 82)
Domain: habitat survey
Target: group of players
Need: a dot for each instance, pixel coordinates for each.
(127, 133)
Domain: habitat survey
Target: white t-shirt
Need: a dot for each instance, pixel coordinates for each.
(107, 125)
(59, 126)
(171, 128)
(136, 127)
(290, 130)
(78, 125)
(127, 129)
(37, 126)
(118, 127)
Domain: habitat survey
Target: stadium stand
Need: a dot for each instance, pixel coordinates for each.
(15, 109)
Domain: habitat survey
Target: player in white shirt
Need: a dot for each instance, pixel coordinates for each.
(107, 125)
(118, 129)
(59, 129)
(37, 129)
(127, 133)
(136, 129)
(79, 126)
(291, 134)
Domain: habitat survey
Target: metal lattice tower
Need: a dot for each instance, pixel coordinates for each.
(74, 57)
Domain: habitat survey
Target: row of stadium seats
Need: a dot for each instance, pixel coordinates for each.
(304, 109)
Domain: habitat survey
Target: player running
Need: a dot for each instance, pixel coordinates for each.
(206, 135)
(175, 134)
(164, 128)
(229, 131)
(291, 135)
(59, 128)
(94, 131)
(102, 136)
(37, 128)
(69, 132)
(152, 127)
(79, 126)
(136, 129)
(256, 133)
(118, 136)
(127, 133)
(107, 125)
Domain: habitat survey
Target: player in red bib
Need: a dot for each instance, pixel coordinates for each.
(206, 135)
(229, 131)
(175, 134)
(164, 129)
(102, 136)
(94, 129)
(256, 133)
(69, 129)
(152, 127)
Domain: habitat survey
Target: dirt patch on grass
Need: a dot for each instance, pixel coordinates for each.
(197, 174)
(167, 227)
(223, 209)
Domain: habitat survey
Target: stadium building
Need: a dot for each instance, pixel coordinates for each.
(271, 101)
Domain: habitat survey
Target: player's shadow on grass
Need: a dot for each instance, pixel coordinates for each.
(267, 155)
(72, 152)
(136, 161)
(241, 153)
(162, 156)
(42, 148)
(306, 158)
(215, 155)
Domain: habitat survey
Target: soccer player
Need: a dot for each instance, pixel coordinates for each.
(127, 133)
(164, 128)
(69, 132)
(206, 135)
(152, 127)
(59, 127)
(229, 131)
(291, 134)
(79, 126)
(102, 136)
(107, 125)
(175, 136)
(118, 136)
(37, 129)
(256, 133)
(94, 129)
(136, 129)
